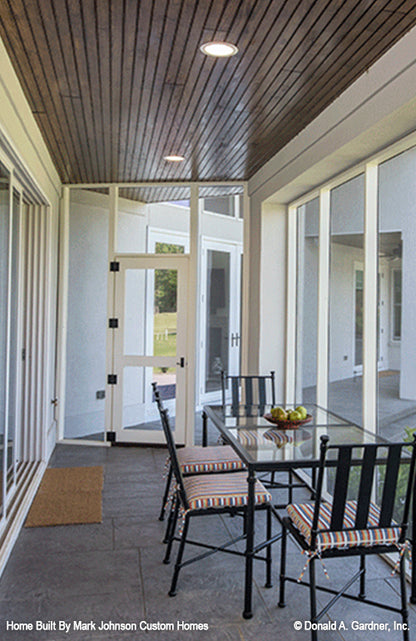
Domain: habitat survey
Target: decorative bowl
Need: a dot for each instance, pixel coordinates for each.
(287, 424)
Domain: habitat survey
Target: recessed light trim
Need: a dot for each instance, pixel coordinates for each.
(218, 49)
(173, 158)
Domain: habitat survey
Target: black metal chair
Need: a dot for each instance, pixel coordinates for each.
(356, 526)
(254, 393)
(207, 495)
(197, 459)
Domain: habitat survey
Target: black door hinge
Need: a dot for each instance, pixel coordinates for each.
(113, 323)
(112, 379)
(111, 437)
(114, 266)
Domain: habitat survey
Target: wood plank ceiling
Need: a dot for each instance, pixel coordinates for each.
(115, 85)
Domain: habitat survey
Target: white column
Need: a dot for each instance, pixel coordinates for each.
(192, 352)
(370, 329)
(245, 302)
(62, 309)
(323, 299)
(291, 268)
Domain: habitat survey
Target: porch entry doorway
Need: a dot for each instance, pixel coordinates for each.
(220, 316)
(149, 344)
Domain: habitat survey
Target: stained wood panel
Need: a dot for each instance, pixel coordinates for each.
(117, 84)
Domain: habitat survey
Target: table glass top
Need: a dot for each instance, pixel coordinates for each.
(259, 441)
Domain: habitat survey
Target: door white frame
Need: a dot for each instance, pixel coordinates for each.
(121, 360)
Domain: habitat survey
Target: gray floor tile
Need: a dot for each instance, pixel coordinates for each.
(85, 573)
(136, 532)
(113, 571)
(65, 539)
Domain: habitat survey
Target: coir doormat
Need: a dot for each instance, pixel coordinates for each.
(68, 496)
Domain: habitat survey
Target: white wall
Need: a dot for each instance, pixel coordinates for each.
(272, 299)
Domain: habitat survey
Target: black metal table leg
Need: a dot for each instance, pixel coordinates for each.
(413, 577)
(204, 429)
(248, 612)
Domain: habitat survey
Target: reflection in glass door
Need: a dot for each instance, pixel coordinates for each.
(149, 345)
(358, 319)
(220, 316)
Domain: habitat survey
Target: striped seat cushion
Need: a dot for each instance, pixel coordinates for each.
(301, 516)
(222, 490)
(200, 460)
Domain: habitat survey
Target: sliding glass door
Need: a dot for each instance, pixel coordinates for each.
(24, 407)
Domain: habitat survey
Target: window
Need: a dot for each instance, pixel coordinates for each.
(223, 205)
(397, 304)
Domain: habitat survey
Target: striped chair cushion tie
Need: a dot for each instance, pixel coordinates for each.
(222, 490)
(301, 516)
(200, 460)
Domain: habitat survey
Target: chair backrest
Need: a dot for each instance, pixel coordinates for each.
(359, 464)
(248, 391)
(164, 416)
(157, 397)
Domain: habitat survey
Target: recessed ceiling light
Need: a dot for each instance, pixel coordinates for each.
(173, 158)
(219, 49)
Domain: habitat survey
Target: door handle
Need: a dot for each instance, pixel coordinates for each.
(235, 339)
(181, 362)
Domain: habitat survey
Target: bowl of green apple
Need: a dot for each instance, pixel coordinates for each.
(288, 418)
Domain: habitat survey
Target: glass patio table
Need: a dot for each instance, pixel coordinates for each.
(264, 447)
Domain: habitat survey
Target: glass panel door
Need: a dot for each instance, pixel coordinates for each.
(345, 392)
(217, 318)
(149, 345)
(220, 316)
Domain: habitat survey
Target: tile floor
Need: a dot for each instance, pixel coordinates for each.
(113, 571)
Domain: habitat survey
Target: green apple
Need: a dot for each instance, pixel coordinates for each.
(279, 413)
(302, 411)
(294, 416)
